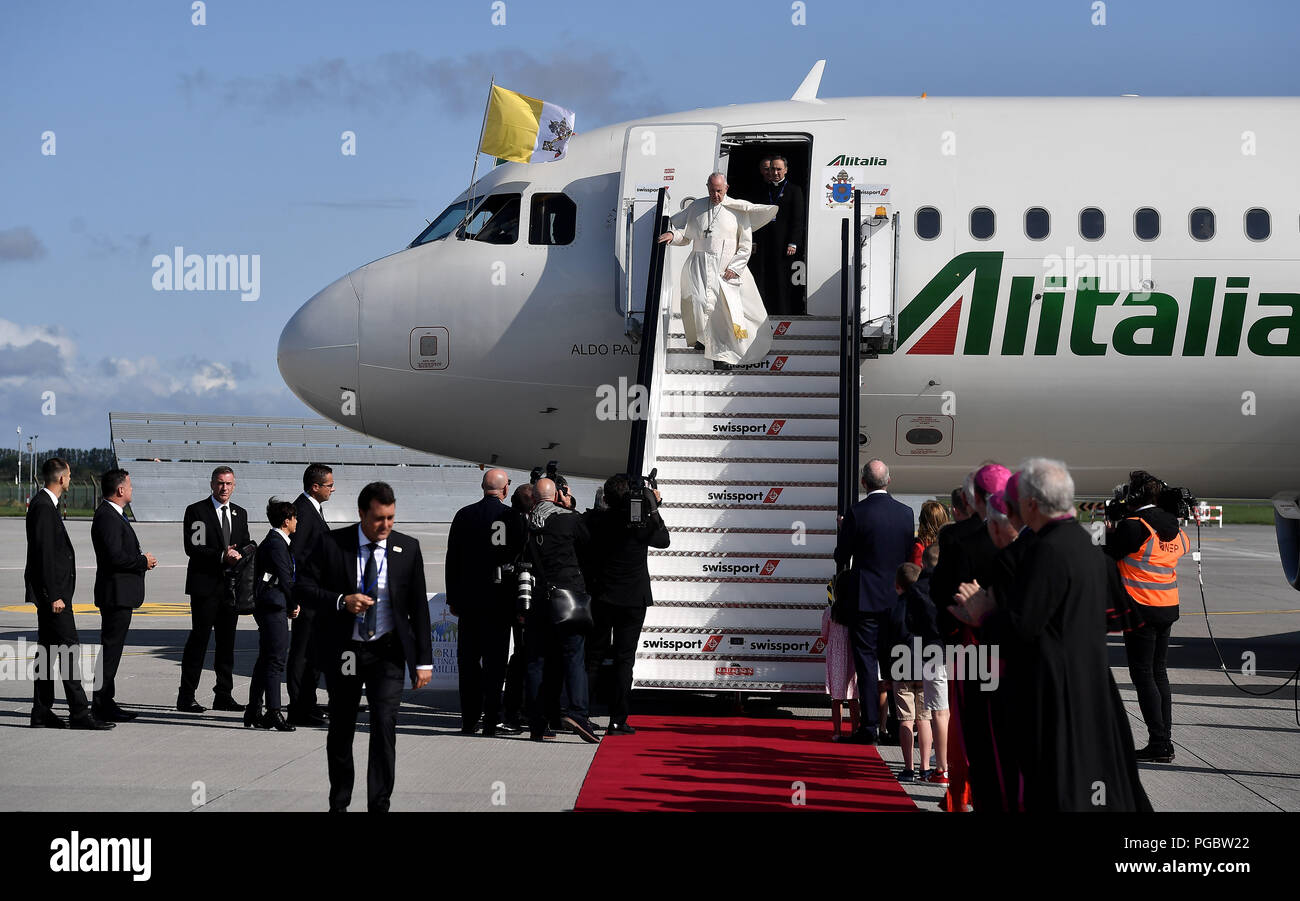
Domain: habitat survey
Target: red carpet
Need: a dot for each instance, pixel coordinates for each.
(736, 764)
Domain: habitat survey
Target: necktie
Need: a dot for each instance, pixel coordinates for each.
(370, 586)
(225, 526)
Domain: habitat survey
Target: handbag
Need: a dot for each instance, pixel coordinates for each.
(570, 607)
(845, 607)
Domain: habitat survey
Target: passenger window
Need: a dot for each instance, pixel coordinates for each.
(552, 219)
(1038, 223)
(1146, 224)
(981, 223)
(1201, 224)
(495, 220)
(1258, 226)
(927, 223)
(1092, 223)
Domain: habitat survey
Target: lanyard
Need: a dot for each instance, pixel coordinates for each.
(779, 193)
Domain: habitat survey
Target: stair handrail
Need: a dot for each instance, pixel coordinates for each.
(653, 338)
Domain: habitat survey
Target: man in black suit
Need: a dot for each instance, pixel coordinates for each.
(620, 586)
(875, 536)
(120, 566)
(777, 246)
(372, 626)
(212, 530)
(483, 537)
(300, 672)
(50, 579)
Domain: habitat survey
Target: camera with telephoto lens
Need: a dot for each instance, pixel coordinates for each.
(1127, 498)
(551, 472)
(524, 581)
(641, 497)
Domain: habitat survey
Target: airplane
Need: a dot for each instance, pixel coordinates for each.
(1108, 281)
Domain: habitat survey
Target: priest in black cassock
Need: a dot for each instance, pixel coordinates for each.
(1076, 748)
(777, 247)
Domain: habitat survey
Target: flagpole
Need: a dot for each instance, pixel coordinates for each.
(469, 194)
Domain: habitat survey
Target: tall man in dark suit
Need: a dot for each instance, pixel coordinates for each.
(120, 566)
(875, 536)
(372, 626)
(50, 579)
(300, 672)
(212, 529)
(483, 537)
(777, 246)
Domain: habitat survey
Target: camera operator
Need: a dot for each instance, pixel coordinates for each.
(1146, 546)
(620, 585)
(556, 536)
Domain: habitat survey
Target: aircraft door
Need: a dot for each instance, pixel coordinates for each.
(679, 157)
(878, 227)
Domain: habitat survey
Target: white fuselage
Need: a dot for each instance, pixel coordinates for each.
(531, 331)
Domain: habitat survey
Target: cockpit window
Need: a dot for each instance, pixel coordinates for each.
(553, 219)
(495, 220)
(444, 225)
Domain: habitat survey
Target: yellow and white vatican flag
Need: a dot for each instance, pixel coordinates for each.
(524, 129)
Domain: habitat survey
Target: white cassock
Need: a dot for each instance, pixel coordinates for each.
(726, 316)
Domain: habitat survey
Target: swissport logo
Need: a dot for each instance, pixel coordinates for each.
(781, 329)
(712, 644)
(776, 427)
(773, 496)
(819, 646)
(779, 363)
(763, 570)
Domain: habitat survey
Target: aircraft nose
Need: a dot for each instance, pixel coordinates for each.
(318, 349)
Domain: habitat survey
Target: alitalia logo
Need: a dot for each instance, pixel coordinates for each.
(843, 160)
(968, 305)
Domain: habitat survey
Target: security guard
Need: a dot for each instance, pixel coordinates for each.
(1146, 547)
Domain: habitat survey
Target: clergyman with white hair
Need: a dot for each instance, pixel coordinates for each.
(722, 312)
(1077, 748)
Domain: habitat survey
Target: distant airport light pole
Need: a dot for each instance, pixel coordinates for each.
(18, 476)
(31, 449)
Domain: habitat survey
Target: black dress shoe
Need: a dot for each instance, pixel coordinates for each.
(698, 345)
(112, 714)
(1154, 753)
(308, 719)
(862, 737)
(322, 712)
(274, 719)
(227, 703)
(544, 735)
(252, 715)
(189, 705)
(584, 729)
(620, 729)
(489, 731)
(47, 719)
(505, 728)
(88, 721)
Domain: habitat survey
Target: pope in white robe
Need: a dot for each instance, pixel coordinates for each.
(721, 307)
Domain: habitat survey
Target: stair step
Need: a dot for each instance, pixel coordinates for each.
(729, 567)
(757, 516)
(729, 644)
(758, 447)
(758, 380)
(701, 674)
(723, 619)
(715, 495)
(727, 542)
(747, 471)
(748, 425)
(713, 403)
(778, 361)
(783, 326)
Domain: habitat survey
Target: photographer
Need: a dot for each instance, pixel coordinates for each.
(1146, 546)
(620, 583)
(556, 535)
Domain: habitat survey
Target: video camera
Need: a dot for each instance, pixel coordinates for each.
(641, 498)
(550, 472)
(1127, 498)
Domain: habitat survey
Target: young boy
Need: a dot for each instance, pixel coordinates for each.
(909, 691)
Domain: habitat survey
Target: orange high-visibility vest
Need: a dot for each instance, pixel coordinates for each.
(1150, 574)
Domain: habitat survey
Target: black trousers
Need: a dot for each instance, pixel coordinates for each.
(568, 643)
(482, 646)
(516, 671)
(379, 665)
(114, 622)
(272, 649)
(301, 673)
(207, 614)
(617, 631)
(865, 639)
(56, 635)
(1148, 652)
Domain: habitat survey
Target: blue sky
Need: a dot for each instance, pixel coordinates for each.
(225, 138)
